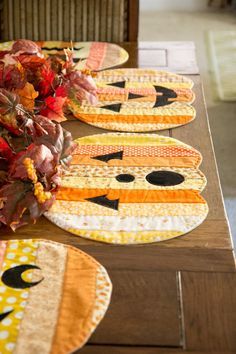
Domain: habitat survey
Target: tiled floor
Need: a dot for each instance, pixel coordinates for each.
(164, 26)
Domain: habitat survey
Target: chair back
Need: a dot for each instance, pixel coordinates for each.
(65, 20)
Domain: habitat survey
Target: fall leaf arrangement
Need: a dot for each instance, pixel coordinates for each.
(36, 94)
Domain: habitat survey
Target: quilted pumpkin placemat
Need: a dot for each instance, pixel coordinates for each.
(88, 55)
(139, 100)
(131, 188)
(52, 297)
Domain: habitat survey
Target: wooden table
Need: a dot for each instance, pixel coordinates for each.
(173, 296)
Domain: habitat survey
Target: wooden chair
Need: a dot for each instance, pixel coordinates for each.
(76, 20)
(222, 4)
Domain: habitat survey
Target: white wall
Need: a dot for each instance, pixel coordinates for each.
(174, 5)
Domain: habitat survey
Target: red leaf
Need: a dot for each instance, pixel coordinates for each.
(5, 150)
(54, 108)
(47, 76)
(61, 91)
(3, 53)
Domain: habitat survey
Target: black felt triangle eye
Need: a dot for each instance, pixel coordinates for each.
(107, 157)
(120, 84)
(113, 107)
(132, 96)
(166, 94)
(105, 202)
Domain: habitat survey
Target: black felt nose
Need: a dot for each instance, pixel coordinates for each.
(125, 178)
(164, 178)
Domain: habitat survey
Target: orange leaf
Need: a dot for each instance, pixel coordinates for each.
(27, 95)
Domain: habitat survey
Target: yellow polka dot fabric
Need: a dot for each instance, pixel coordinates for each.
(42, 285)
(17, 253)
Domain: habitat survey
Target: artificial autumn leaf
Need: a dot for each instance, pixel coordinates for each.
(27, 96)
(30, 61)
(47, 76)
(6, 153)
(61, 91)
(10, 195)
(3, 177)
(27, 47)
(8, 101)
(8, 104)
(57, 139)
(19, 205)
(11, 112)
(43, 163)
(13, 76)
(3, 53)
(34, 148)
(54, 108)
(78, 80)
(8, 59)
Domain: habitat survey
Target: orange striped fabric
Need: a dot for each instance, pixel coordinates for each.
(131, 196)
(139, 161)
(150, 95)
(127, 118)
(136, 151)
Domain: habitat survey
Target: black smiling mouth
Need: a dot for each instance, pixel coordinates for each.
(12, 278)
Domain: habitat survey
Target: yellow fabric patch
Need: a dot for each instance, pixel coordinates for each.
(128, 139)
(17, 253)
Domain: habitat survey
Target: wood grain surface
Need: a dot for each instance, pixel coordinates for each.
(143, 306)
(209, 311)
(108, 349)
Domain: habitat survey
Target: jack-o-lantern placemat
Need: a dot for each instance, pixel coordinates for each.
(52, 297)
(139, 100)
(131, 188)
(87, 55)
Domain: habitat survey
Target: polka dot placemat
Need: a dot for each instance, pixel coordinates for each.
(131, 188)
(87, 55)
(139, 100)
(52, 297)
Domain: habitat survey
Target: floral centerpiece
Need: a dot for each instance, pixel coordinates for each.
(36, 93)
